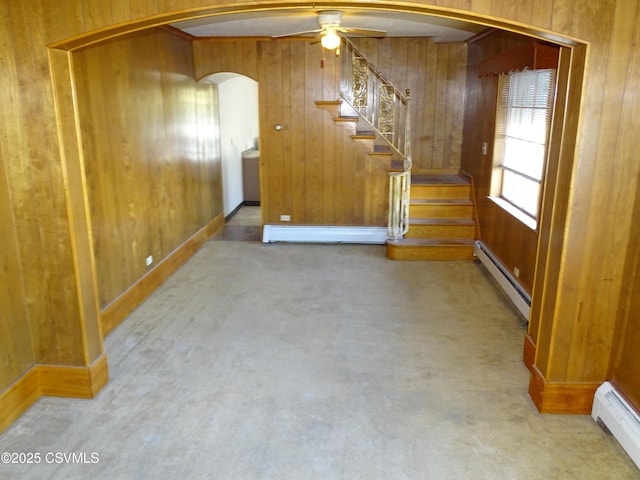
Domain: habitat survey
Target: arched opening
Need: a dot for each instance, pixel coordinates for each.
(239, 140)
(564, 125)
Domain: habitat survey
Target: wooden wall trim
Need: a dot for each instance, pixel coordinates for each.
(19, 396)
(51, 380)
(182, 14)
(564, 398)
(116, 311)
(529, 351)
(73, 381)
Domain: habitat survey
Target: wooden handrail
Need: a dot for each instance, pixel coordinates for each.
(474, 198)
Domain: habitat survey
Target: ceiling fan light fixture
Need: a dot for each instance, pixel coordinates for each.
(330, 40)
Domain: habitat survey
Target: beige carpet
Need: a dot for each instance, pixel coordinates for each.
(316, 362)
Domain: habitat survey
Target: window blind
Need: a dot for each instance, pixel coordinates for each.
(525, 103)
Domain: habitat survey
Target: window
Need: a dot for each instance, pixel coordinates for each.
(525, 101)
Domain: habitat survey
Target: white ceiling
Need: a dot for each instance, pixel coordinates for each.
(287, 21)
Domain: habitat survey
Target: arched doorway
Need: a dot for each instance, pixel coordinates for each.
(239, 145)
(572, 62)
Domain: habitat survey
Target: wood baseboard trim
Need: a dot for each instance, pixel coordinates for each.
(529, 352)
(72, 381)
(123, 305)
(19, 396)
(565, 398)
(51, 380)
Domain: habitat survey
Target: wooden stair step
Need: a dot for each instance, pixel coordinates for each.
(396, 166)
(441, 221)
(441, 228)
(422, 179)
(328, 103)
(430, 249)
(431, 242)
(440, 191)
(362, 135)
(441, 208)
(382, 150)
(441, 201)
(346, 119)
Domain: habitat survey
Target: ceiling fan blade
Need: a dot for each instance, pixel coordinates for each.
(362, 32)
(317, 38)
(297, 34)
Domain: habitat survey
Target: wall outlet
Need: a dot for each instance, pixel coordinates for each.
(149, 260)
(516, 272)
(285, 218)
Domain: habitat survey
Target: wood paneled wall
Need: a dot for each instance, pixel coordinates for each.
(237, 56)
(581, 302)
(324, 178)
(16, 352)
(509, 239)
(151, 152)
(311, 169)
(436, 74)
(37, 196)
(626, 354)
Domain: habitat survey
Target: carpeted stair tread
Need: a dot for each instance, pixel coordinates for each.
(422, 179)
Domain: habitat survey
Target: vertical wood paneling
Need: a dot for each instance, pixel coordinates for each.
(15, 334)
(627, 348)
(626, 358)
(312, 157)
(292, 111)
(458, 88)
(142, 8)
(271, 140)
(511, 241)
(170, 5)
(596, 180)
(481, 6)
(322, 178)
(140, 118)
(97, 14)
(542, 12)
(68, 17)
(121, 10)
(34, 173)
(15, 331)
(209, 57)
(435, 74)
(437, 146)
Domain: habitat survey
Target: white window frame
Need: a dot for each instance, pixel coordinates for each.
(523, 117)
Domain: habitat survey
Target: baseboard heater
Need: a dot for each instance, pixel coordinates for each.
(323, 234)
(614, 412)
(514, 291)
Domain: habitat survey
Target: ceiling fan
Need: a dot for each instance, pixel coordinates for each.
(330, 30)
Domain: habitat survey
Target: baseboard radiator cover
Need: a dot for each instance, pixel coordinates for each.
(520, 298)
(614, 412)
(323, 234)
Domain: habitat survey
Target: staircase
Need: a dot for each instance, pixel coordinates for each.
(361, 132)
(441, 220)
(431, 214)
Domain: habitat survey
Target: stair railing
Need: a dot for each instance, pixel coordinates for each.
(380, 104)
(400, 189)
